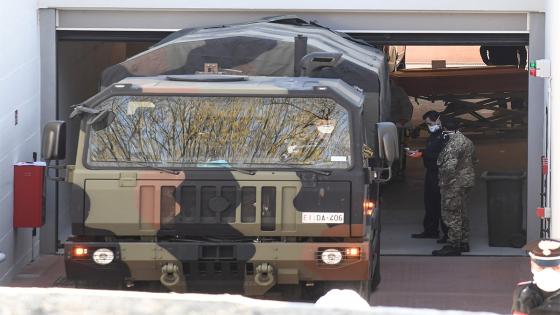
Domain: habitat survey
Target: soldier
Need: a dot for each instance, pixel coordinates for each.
(456, 178)
(542, 295)
(432, 197)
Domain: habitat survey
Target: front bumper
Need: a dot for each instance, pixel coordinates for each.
(212, 263)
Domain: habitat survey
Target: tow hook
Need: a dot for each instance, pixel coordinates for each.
(264, 275)
(169, 275)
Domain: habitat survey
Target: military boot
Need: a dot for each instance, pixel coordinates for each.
(442, 240)
(465, 248)
(448, 250)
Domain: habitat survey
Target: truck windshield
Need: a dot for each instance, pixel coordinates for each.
(251, 132)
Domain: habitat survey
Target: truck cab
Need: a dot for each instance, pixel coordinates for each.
(225, 183)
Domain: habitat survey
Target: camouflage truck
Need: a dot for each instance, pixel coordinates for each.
(233, 183)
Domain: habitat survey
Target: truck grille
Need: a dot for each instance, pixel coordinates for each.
(217, 204)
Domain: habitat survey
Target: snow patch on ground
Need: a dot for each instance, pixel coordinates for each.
(43, 301)
(344, 299)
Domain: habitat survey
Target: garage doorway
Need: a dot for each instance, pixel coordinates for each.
(491, 103)
(82, 56)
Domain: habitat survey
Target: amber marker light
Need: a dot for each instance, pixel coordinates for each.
(353, 252)
(368, 207)
(80, 251)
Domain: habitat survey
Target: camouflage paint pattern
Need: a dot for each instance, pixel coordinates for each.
(140, 214)
(266, 48)
(455, 214)
(456, 177)
(456, 161)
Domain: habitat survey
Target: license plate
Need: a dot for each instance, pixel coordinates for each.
(322, 217)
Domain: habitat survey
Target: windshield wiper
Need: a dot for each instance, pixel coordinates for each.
(174, 172)
(305, 169)
(300, 168)
(226, 165)
(146, 165)
(242, 171)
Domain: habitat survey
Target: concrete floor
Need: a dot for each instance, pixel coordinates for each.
(402, 217)
(459, 283)
(446, 283)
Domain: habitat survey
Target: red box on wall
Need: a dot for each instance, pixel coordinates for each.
(28, 195)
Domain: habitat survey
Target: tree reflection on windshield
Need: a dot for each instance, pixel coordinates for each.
(194, 131)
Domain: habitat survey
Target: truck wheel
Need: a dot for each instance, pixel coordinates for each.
(313, 293)
(367, 286)
(291, 292)
(376, 275)
(365, 290)
(376, 278)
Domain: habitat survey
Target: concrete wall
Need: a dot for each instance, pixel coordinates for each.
(536, 126)
(552, 87)
(346, 21)
(19, 91)
(308, 5)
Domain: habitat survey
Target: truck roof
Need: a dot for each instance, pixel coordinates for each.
(241, 85)
(266, 47)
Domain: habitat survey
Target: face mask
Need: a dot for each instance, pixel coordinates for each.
(433, 128)
(547, 280)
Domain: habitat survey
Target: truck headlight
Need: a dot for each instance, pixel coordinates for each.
(103, 256)
(331, 256)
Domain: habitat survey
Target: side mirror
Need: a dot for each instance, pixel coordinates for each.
(388, 144)
(388, 139)
(102, 120)
(54, 141)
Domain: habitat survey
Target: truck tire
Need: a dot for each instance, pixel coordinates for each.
(291, 292)
(376, 278)
(365, 290)
(376, 275)
(313, 293)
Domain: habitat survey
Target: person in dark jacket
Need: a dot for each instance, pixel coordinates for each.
(542, 295)
(432, 197)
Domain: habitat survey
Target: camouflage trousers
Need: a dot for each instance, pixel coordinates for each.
(454, 213)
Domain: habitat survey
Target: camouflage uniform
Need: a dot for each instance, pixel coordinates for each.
(456, 178)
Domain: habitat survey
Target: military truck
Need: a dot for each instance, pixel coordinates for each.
(230, 183)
